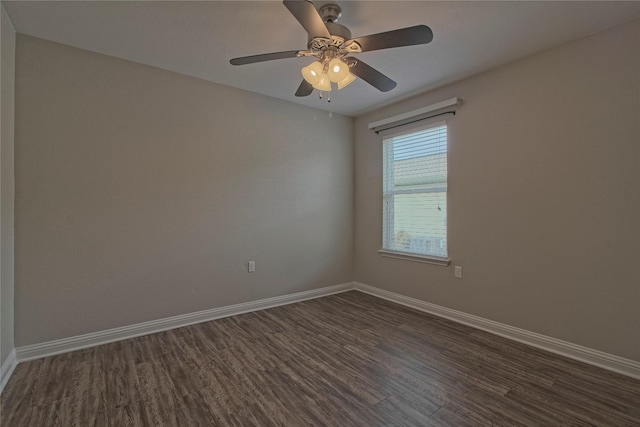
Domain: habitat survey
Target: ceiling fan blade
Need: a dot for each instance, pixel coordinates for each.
(264, 57)
(307, 15)
(372, 76)
(420, 34)
(304, 89)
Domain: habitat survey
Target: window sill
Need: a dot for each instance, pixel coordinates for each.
(415, 257)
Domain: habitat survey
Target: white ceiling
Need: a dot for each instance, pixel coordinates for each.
(199, 38)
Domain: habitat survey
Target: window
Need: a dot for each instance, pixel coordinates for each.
(415, 191)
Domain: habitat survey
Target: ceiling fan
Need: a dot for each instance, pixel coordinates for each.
(332, 45)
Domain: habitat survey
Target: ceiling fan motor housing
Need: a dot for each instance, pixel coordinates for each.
(339, 34)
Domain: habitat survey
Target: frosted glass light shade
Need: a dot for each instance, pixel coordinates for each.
(346, 81)
(324, 84)
(312, 73)
(338, 70)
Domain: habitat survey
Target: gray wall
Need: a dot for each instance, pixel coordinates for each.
(7, 85)
(142, 194)
(544, 207)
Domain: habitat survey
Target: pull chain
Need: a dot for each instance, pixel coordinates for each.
(328, 95)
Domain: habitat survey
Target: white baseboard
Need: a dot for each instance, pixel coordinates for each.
(598, 358)
(6, 369)
(50, 348)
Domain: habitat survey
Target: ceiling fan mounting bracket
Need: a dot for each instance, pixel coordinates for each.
(330, 12)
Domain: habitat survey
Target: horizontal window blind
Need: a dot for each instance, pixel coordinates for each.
(415, 191)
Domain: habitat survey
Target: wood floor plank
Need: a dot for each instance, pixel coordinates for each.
(449, 416)
(349, 359)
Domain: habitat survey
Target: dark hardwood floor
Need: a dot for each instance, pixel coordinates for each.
(344, 360)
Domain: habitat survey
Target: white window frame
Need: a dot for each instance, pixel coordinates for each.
(388, 193)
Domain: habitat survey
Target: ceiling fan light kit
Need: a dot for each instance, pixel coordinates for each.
(347, 80)
(320, 74)
(331, 44)
(338, 70)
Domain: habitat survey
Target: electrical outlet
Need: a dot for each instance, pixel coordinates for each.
(458, 271)
(252, 266)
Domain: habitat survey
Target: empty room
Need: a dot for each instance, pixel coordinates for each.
(328, 213)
